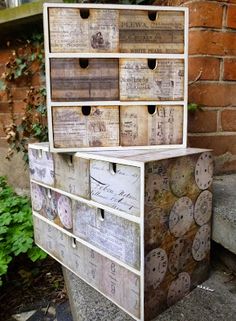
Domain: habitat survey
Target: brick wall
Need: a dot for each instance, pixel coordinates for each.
(212, 78)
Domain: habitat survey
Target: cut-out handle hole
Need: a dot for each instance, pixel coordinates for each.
(101, 214)
(73, 242)
(152, 63)
(152, 15)
(84, 13)
(151, 109)
(86, 110)
(70, 160)
(49, 194)
(83, 62)
(40, 153)
(113, 168)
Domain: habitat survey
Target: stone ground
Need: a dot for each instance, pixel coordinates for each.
(215, 302)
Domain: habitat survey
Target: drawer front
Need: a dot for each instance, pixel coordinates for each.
(74, 79)
(116, 185)
(85, 126)
(112, 234)
(151, 31)
(151, 125)
(52, 205)
(83, 30)
(151, 79)
(72, 174)
(114, 281)
(41, 166)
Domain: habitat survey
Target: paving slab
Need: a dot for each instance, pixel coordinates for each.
(200, 305)
(224, 211)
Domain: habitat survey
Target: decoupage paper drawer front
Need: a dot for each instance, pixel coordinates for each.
(114, 281)
(80, 79)
(151, 125)
(116, 185)
(151, 31)
(110, 233)
(151, 79)
(86, 126)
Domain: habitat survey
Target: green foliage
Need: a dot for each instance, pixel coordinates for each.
(16, 229)
(192, 107)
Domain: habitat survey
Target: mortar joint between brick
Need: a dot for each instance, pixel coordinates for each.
(218, 121)
(221, 69)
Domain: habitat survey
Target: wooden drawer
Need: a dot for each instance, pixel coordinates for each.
(41, 165)
(114, 281)
(116, 185)
(52, 205)
(114, 235)
(85, 126)
(75, 79)
(151, 79)
(151, 125)
(72, 174)
(83, 30)
(151, 31)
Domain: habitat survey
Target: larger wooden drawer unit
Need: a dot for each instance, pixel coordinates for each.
(143, 239)
(116, 76)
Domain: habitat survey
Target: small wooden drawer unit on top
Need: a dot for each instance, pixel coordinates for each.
(116, 76)
(134, 224)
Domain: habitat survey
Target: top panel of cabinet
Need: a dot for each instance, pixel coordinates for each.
(115, 29)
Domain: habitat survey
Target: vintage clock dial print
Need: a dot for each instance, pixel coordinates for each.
(181, 216)
(51, 206)
(180, 255)
(178, 288)
(64, 211)
(203, 208)
(201, 243)
(37, 197)
(180, 176)
(204, 170)
(156, 266)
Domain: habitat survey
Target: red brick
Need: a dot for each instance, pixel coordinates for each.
(212, 42)
(5, 119)
(213, 94)
(19, 93)
(231, 17)
(202, 121)
(205, 14)
(3, 142)
(219, 144)
(229, 69)
(228, 120)
(19, 107)
(208, 68)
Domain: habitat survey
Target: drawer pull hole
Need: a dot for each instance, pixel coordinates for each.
(83, 62)
(84, 13)
(152, 63)
(101, 214)
(151, 109)
(70, 160)
(152, 15)
(113, 168)
(86, 110)
(39, 153)
(49, 194)
(73, 242)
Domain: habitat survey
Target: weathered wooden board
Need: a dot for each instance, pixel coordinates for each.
(83, 30)
(72, 174)
(177, 228)
(111, 279)
(143, 79)
(151, 31)
(52, 205)
(41, 166)
(112, 234)
(151, 125)
(116, 185)
(86, 126)
(74, 79)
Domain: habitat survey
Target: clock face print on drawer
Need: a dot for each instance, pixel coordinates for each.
(204, 170)
(178, 288)
(37, 197)
(180, 255)
(201, 243)
(181, 216)
(64, 211)
(156, 263)
(203, 208)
